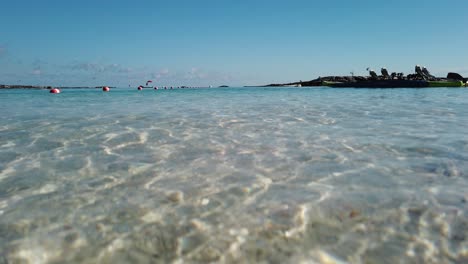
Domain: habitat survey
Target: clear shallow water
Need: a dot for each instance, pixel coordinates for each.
(234, 175)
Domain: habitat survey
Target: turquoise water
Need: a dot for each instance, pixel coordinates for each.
(280, 175)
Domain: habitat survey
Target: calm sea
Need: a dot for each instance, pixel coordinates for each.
(278, 175)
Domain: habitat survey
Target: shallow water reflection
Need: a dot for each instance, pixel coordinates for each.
(234, 175)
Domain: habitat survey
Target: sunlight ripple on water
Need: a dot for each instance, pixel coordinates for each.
(234, 175)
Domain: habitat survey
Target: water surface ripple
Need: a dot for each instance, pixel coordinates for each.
(280, 175)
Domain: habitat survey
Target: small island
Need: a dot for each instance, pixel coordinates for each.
(422, 78)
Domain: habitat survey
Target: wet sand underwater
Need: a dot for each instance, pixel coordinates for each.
(234, 175)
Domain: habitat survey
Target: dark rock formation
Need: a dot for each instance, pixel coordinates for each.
(420, 78)
(456, 76)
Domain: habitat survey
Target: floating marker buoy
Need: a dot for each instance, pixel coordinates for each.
(54, 91)
(156, 88)
(105, 89)
(140, 88)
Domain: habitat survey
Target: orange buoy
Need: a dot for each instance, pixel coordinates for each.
(54, 91)
(105, 89)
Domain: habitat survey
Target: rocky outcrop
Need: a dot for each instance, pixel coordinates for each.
(394, 79)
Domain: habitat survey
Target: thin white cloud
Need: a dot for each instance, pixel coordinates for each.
(161, 74)
(89, 73)
(38, 67)
(98, 67)
(39, 62)
(194, 73)
(3, 51)
(199, 75)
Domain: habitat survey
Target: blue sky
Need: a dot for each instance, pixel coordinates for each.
(208, 42)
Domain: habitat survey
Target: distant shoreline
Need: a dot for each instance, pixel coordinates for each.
(18, 86)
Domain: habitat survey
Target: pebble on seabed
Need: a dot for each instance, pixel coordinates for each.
(176, 196)
(205, 201)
